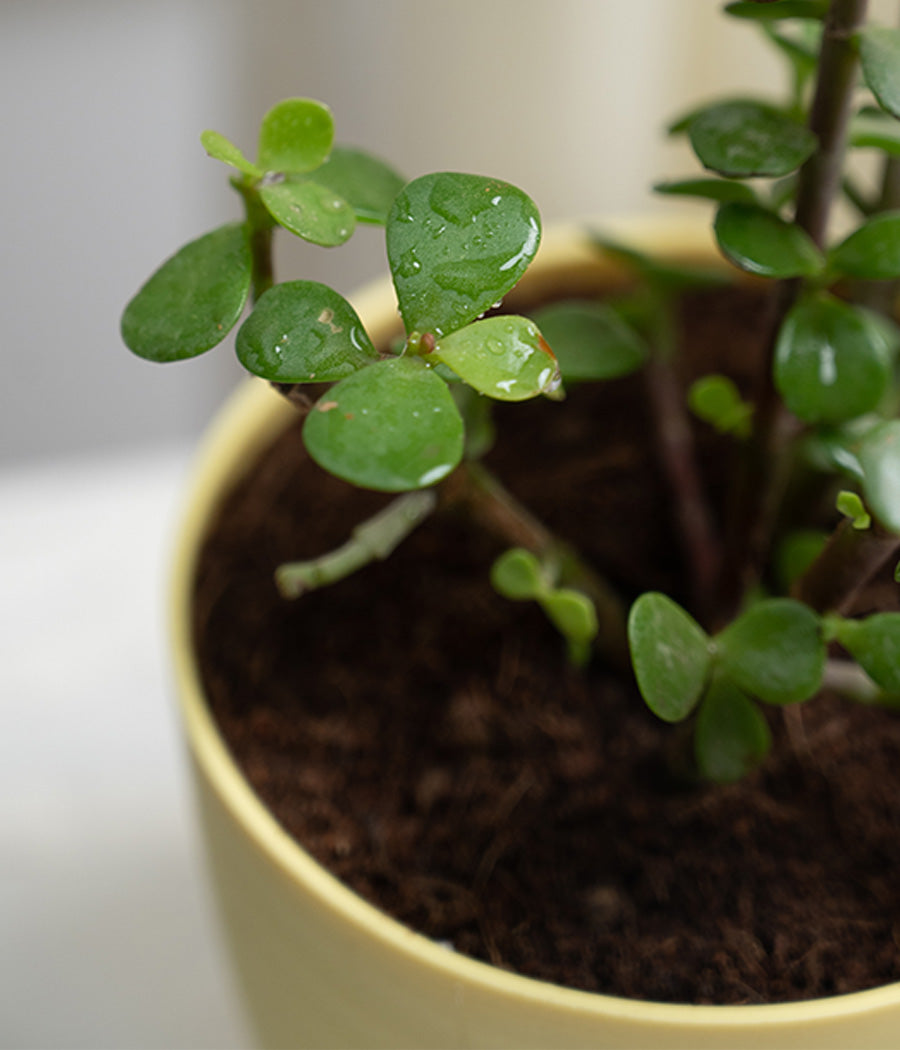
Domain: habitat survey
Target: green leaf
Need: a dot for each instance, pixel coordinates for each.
(505, 358)
(774, 651)
(777, 10)
(716, 400)
(801, 51)
(667, 278)
(572, 614)
(456, 245)
(220, 148)
(851, 506)
(875, 129)
(732, 736)
(758, 241)
(879, 458)
(879, 54)
(392, 426)
(517, 575)
(831, 361)
(591, 341)
(365, 182)
(745, 139)
(871, 252)
(303, 332)
(796, 552)
(309, 210)
(193, 300)
(722, 190)
(295, 136)
(875, 644)
(671, 656)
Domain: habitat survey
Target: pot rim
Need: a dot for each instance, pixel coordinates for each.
(255, 409)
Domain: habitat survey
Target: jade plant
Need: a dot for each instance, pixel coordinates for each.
(768, 621)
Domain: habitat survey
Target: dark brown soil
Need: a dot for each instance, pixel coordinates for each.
(426, 741)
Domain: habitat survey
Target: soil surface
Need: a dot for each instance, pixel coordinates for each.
(426, 741)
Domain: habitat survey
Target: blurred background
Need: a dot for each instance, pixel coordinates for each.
(106, 934)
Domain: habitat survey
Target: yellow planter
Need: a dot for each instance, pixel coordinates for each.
(322, 968)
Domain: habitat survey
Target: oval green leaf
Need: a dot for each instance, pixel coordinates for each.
(759, 241)
(221, 148)
(193, 300)
(456, 245)
(368, 184)
(746, 139)
(871, 252)
(832, 362)
(517, 575)
(295, 136)
(875, 645)
(670, 652)
(716, 400)
(315, 213)
(572, 614)
(392, 427)
(591, 341)
(732, 736)
(505, 358)
(879, 458)
(879, 53)
(722, 190)
(303, 332)
(774, 651)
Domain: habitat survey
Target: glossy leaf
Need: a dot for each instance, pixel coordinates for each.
(879, 53)
(732, 736)
(744, 139)
(716, 400)
(872, 252)
(671, 655)
(879, 458)
(456, 245)
(295, 136)
(774, 651)
(309, 210)
(875, 129)
(591, 341)
(572, 614)
(193, 300)
(365, 182)
(517, 575)
(505, 358)
(221, 148)
(303, 332)
(760, 242)
(831, 361)
(392, 426)
(722, 190)
(875, 645)
(778, 9)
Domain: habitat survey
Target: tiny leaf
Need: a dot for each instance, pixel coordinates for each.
(220, 148)
(670, 653)
(572, 614)
(774, 651)
(517, 575)
(716, 400)
(505, 358)
(871, 252)
(851, 506)
(759, 241)
(456, 245)
(875, 644)
(295, 136)
(309, 210)
(303, 332)
(879, 458)
(591, 341)
(744, 139)
(832, 362)
(193, 300)
(732, 736)
(879, 55)
(364, 181)
(392, 426)
(722, 190)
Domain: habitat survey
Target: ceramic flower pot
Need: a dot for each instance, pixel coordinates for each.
(320, 967)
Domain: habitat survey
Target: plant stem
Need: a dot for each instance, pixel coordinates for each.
(475, 489)
(371, 540)
(850, 559)
(761, 480)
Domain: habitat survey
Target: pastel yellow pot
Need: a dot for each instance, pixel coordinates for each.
(320, 967)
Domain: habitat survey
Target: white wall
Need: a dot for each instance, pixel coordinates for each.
(101, 103)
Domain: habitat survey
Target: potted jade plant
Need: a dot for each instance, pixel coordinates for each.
(537, 630)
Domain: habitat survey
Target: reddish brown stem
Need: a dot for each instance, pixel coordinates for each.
(850, 559)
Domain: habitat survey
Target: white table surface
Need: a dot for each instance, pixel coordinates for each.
(107, 934)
